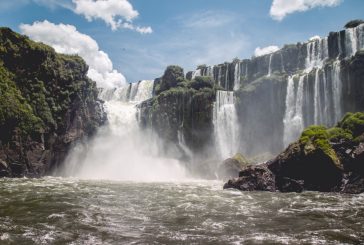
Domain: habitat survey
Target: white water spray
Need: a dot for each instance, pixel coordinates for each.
(121, 150)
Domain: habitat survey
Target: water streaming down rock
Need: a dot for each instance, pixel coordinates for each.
(317, 52)
(336, 90)
(237, 75)
(293, 119)
(196, 73)
(354, 40)
(270, 65)
(122, 150)
(225, 124)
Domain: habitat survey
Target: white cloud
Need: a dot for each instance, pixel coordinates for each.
(263, 51)
(66, 39)
(281, 8)
(207, 19)
(115, 13)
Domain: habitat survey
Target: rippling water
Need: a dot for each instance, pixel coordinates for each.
(71, 211)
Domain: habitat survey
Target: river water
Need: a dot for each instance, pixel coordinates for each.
(73, 211)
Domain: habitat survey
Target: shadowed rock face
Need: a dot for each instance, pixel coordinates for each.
(49, 105)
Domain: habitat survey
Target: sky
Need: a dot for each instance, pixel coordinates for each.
(130, 40)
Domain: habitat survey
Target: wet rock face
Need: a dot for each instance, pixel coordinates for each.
(253, 178)
(313, 167)
(55, 106)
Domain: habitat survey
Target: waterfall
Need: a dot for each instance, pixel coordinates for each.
(317, 99)
(183, 145)
(225, 124)
(219, 76)
(336, 90)
(121, 150)
(282, 63)
(133, 91)
(317, 52)
(269, 66)
(326, 106)
(144, 91)
(226, 78)
(354, 40)
(196, 73)
(293, 119)
(237, 76)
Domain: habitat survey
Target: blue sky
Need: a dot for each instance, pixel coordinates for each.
(188, 32)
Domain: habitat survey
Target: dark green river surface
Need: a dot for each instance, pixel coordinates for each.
(71, 211)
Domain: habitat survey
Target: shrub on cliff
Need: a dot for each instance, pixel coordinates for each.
(172, 76)
(15, 111)
(202, 82)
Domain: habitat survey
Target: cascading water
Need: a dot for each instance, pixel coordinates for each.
(354, 40)
(237, 76)
(317, 52)
(282, 63)
(225, 124)
(317, 99)
(293, 119)
(196, 73)
(336, 89)
(122, 150)
(226, 78)
(270, 65)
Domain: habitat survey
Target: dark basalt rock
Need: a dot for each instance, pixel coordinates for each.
(309, 164)
(253, 178)
(47, 103)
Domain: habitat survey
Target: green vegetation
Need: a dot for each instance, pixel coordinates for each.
(319, 138)
(201, 82)
(349, 128)
(354, 23)
(172, 76)
(14, 109)
(38, 86)
(336, 134)
(353, 123)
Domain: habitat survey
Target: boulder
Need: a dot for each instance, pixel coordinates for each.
(231, 167)
(253, 178)
(308, 163)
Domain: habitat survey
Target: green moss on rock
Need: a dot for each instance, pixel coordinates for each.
(317, 137)
(353, 122)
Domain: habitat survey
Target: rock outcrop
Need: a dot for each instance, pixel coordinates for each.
(327, 160)
(181, 112)
(47, 103)
(231, 167)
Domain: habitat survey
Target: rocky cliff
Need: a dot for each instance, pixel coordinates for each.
(277, 95)
(47, 103)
